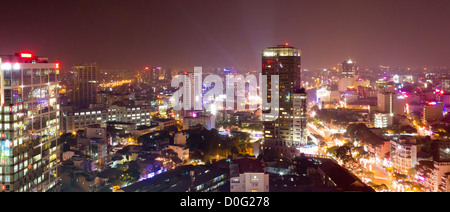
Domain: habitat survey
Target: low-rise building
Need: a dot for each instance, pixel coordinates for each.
(248, 175)
(140, 115)
(180, 138)
(80, 119)
(164, 123)
(334, 175)
(74, 120)
(444, 185)
(404, 154)
(182, 151)
(382, 120)
(187, 178)
(207, 122)
(141, 130)
(424, 175)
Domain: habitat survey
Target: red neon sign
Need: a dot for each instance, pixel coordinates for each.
(26, 55)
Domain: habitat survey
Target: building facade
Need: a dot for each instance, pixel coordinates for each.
(389, 102)
(382, 120)
(283, 61)
(80, 119)
(29, 124)
(433, 111)
(85, 85)
(300, 107)
(348, 69)
(404, 154)
(248, 175)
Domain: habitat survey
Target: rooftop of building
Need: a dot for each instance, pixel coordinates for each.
(163, 120)
(248, 165)
(119, 122)
(342, 178)
(285, 45)
(295, 183)
(23, 57)
(146, 127)
(371, 102)
(281, 50)
(178, 179)
(300, 91)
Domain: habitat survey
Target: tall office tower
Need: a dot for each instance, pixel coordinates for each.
(29, 124)
(300, 106)
(283, 61)
(348, 68)
(168, 74)
(389, 102)
(385, 102)
(154, 75)
(85, 85)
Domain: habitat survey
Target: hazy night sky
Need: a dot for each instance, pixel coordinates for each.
(130, 34)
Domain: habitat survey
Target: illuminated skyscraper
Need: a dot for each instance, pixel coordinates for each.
(283, 61)
(348, 68)
(300, 107)
(29, 124)
(86, 82)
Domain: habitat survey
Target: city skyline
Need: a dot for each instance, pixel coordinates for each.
(119, 35)
(225, 96)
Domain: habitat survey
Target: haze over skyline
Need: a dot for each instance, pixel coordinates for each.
(179, 33)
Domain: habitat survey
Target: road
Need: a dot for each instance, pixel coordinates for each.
(381, 176)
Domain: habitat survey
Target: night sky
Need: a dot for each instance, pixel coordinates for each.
(131, 34)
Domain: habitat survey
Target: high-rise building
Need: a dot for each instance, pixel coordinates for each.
(300, 106)
(433, 111)
(348, 69)
(85, 85)
(29, 125)
(385, 102)
(283, 61)
(156, 75)
(389, 102)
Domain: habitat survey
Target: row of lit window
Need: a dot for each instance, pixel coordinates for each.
(87, 113)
